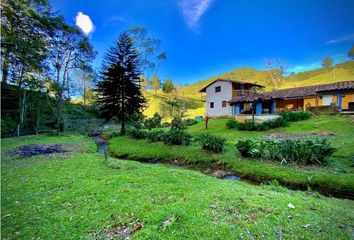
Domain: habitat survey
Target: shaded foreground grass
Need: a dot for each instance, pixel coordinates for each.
(82, 195)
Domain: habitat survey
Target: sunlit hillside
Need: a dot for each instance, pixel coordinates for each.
(195, 107)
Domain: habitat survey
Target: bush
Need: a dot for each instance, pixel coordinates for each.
(177, 137)
(137, 120)
(177, 124)
(303, 151)
(136, 133)
(276, 123)
(232, 123)
(296, 116)
(189, 122)
(246, 126)
(211, 142)
(247, 148)
(250, 126)
(155, 135)
(154, 122)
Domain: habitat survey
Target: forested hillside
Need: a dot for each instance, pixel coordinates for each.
(39, 111)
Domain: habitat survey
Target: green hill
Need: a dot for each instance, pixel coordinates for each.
(341, 72)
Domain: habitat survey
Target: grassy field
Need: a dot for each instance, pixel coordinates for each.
(79, 195)
(337, 178)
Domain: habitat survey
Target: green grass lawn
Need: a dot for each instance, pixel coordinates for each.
(82, 196)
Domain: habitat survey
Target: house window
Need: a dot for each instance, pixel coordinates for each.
(211, 104)
(223, 104)
(218, 89)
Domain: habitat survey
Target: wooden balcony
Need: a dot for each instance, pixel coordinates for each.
(236, 93)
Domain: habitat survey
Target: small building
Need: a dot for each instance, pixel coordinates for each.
(220, 92)
(251, 98)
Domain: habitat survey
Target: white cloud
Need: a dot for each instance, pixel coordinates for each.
(84, 22)
(344, 38)
(193, 10)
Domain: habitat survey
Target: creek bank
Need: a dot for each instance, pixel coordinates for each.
(215, 169)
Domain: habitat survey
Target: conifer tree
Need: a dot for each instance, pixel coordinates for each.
(119, 93)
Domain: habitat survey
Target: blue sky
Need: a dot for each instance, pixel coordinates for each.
(203, 38)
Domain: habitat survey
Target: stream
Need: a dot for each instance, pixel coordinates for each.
(102, 147)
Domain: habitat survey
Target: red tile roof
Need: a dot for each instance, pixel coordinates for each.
(299, 92)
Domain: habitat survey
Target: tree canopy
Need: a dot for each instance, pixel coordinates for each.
(168, 86)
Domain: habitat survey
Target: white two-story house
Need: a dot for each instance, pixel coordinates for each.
(220, 92)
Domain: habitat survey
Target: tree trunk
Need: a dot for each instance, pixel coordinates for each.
(59, 109)
(5, 68)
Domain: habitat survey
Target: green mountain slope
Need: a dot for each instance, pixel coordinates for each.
(341, 72)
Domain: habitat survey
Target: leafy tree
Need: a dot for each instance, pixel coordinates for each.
(155, 84)
(327, 63)
(168, 86)
(149, 50)
(70, 51)
(86, 77)
(276, 69)
(26, 26)
(119, 93)
(351, 52)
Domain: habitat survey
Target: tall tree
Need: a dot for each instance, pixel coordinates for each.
(149, 50)
(70, 51)
(351, 52)
(327, 63)
(25, 26)
(155, 84)
(276, 68)
(168, 86)
(119, 93)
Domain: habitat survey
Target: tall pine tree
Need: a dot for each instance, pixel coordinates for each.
(119, 93)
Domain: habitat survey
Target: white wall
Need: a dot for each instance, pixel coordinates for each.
(217, 98)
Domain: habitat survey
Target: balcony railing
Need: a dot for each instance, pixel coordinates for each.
(236, 93)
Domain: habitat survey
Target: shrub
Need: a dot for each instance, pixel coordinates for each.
(136, 133)
(166, 124)
(232, 123)
(177, 137)
(155, 135)
(189, 122)
(296, 116)
(322, 150)
(154, 122)
(211, 142)
(246, 126)
(276, 123)
(303, 151)
(247, 148)
(250, 126)
(137, 120)
(177, 124)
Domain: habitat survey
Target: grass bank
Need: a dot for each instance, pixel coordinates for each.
(324, 180)
(335, 179)
(82, 196)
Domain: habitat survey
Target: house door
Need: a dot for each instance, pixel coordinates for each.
(327, 100)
